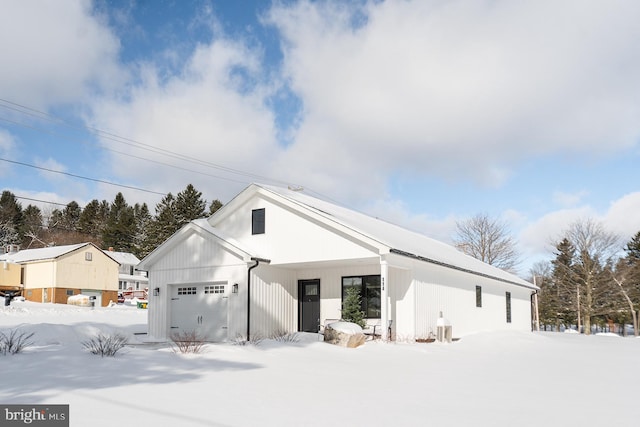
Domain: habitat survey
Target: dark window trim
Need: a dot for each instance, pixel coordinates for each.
(508, 303)
(364, 306)
(478, 296)
(258, 221)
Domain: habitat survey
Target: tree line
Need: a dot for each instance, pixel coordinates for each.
(592, 280)
(116, 224)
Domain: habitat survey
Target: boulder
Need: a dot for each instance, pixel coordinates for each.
(344, 334)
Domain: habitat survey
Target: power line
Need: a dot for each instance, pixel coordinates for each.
(82, 177)
(124, 140)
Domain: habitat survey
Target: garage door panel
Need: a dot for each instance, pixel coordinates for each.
(200, 308)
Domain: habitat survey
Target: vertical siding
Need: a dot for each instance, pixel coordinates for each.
(452, 292)
(274, 301)
(196, 260)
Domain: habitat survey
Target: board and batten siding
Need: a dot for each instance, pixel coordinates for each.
(198, 259)
(440, 289)
(274, 297)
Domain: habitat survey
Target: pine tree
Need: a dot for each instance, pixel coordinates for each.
(33, 228)
(120, 230)
(562, 290)
(189, 206)
(215, 205)
(143, 227)
(352, 307)
(11, 219)
(164, 223)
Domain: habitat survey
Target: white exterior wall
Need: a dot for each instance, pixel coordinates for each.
(274, 307)
(195, 260)
(289, 238)
(440, 289)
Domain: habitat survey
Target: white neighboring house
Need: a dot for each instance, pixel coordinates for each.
(275, 260)
(128, 275)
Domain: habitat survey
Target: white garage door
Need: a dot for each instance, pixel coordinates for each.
(200, 308)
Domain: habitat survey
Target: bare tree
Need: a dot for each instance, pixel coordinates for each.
(488, 240)
(594, 247)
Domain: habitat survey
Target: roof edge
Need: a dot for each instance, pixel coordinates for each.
(466, 270)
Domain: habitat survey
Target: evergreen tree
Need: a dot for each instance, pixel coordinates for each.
(215, 205)
(71, 216)
(34, 234)
(120, 229)
(633, 247)
(562, 291)
(11, 219)
(164, 223)
(189, 206)
(143, 227)
(352, 307)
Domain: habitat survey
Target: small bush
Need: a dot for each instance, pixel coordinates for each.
(284, 336)
(240, 339)
(15, 341)
(187, 342)
(105, 345)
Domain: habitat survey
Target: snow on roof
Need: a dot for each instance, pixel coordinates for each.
(398, 239)
(124, 258)
(40, 254)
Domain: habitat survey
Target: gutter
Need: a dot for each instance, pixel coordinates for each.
(258, 261)
(454, 267)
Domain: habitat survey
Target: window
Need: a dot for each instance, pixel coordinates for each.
(478, 296)
(214, 289)
(257, 221)
(69, 292)
(508, 297)
(369, 288)
(88, 256)
(191, 290)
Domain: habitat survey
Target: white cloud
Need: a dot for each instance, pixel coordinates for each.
(569, 199)
(461, 88)
(623, 216)
(541, 234)
(7, 146)
(210, 112)
(55, 52)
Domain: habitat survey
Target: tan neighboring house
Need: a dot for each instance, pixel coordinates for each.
(55, 273)
(10, 280)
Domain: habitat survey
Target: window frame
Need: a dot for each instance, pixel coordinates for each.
(258, 221)
(508, 305)
(478, 296)
(364, 295)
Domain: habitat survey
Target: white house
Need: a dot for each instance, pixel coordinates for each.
(273, 259)
(128, 275)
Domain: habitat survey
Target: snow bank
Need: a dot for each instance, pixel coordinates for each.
(496, 377)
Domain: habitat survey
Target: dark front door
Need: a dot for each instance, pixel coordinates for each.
(309, 305)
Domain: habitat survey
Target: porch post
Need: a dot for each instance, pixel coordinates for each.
(384, 297)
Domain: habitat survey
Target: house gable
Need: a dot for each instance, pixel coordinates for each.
(292, 234)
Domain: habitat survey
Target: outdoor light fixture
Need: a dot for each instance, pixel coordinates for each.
(156, 292)
(235, 288)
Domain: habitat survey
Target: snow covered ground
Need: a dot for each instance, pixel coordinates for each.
(488, 379)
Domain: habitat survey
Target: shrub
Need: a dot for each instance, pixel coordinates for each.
(14, 341)
(105, 344)
(351, 308)
(187, 342)
(284, 336)
(240, 339)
